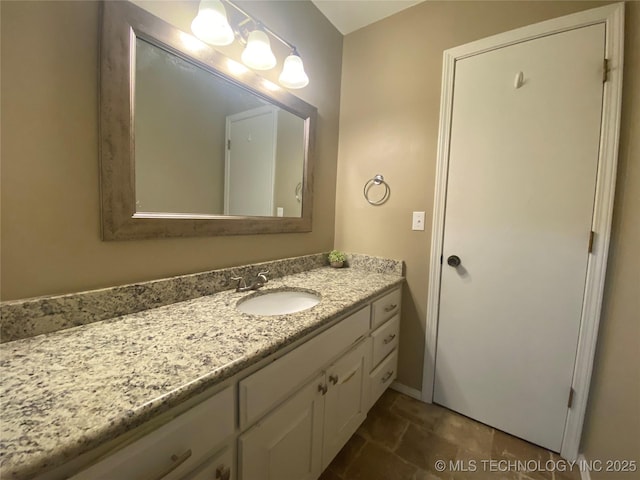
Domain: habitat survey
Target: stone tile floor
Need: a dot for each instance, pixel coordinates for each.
(402, 439)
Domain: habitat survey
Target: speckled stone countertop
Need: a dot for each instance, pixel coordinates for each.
(67, 392)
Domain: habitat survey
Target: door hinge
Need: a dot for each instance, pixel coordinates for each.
(440, 259)
(571, 393)
(228, 144)
(592, 235)
(605, 70)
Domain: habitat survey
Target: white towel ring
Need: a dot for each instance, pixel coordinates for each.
(377, 180)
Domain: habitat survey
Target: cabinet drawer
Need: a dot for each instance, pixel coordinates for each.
(381, 377)
(385, 339)
(174, 449)
(386, 307)
(263, 390)
(219, 467)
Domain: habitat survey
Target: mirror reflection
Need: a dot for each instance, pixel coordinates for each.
(205, 146)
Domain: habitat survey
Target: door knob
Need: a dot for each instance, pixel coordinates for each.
(454, 261)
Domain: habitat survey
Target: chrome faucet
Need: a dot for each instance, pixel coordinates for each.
(259, 282)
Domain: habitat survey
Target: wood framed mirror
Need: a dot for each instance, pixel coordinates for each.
(192, 143)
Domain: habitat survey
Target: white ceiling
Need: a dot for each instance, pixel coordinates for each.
(350, 15)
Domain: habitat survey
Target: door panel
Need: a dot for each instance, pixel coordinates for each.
(286, 444)
(521, 180)
(250, 163)
(346, 401)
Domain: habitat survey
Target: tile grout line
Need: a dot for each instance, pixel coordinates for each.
(354, 457)
(508, 450)
(400, 437)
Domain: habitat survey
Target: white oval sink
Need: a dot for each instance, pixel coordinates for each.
(278, 302)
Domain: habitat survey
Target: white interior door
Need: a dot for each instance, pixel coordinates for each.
(519, 204)
(250, 162)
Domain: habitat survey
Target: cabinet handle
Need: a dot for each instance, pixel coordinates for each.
(223, 473)
(390, 307)
(389, 338)
(177, 461)
(349, 377)
(333, 379)
(322, 389)
(387, 376)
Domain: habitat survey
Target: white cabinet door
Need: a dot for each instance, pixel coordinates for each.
(346, 399)
(287, 444)
(265, 389)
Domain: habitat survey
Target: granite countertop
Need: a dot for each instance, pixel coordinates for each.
(67, 392)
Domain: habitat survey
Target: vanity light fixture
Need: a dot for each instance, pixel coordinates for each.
(257, 54)
(293, 74)
(211, 26)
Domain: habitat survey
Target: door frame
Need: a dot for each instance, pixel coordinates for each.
(253, 112)
(613, 18)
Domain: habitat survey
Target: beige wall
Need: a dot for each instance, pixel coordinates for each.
(49, 192)
(391, 77)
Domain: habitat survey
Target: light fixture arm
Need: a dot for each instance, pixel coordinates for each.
(212, 26)
(260, 25)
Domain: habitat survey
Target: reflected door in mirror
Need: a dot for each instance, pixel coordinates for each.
(204, 146)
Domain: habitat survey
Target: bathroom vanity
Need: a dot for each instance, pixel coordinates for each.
(197, 389)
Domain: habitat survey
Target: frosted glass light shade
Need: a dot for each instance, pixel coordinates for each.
(211, 24)
(293, 74)
(257, 54)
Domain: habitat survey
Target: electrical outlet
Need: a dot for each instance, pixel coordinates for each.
(418, 221)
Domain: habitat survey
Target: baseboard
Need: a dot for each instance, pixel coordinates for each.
(412, 392)
(584, 471)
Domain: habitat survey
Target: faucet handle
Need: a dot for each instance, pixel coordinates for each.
(242, 283)
(263, 275)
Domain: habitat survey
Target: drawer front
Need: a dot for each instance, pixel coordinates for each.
(263, 390)
(385, 339)
(386, 307)
(382, 377)
(174, 449)
(219, 467)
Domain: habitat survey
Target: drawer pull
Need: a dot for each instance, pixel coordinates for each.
(389, 338)
(177, 461)
(333, 379)
(390, 307)
(322, 389)
(223, 473)
(387, 376)
(349, 377)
